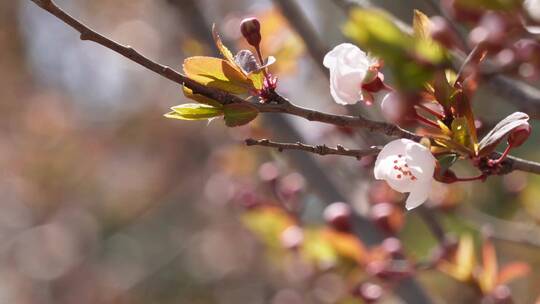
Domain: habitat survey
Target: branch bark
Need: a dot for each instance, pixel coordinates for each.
(277, 104)
(318, 149)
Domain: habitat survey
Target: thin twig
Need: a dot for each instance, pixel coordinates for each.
(318, 149)
(277, 104)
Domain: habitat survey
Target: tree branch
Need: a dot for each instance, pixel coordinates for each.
(318, 149)
(524, 96)
(277, 104)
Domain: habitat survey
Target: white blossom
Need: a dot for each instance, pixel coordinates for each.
(533, 9)
(407, 166)
(350, 68)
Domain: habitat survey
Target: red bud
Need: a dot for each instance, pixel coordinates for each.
(251, 30)
(338, 216)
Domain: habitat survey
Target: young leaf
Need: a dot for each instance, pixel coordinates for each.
(268, 223)
(421, 24)
(460, 131)
(217, 73)
(237, 114)
(488, 276)
(446, 161)
(221, 47)
(505, 126)
(375, 31)
(194, 111)
(200, 98)
(463, 109)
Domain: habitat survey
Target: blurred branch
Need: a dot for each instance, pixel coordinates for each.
(297, 19)
(277, 104)
(524, 96)
(433, 223)
(504, 230)
(318, 149)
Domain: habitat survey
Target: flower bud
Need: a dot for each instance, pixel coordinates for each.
(519, 135)
(338, 216)
(251, 30)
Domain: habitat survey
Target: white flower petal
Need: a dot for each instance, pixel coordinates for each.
(348, 66)
(407, 167)
(533, 9)
(418, 196)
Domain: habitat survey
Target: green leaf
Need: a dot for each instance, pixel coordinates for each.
(194, 111)
(460, 131)
(375, 31)
(239, 114)
(505, 126)
(446, 161)
(217, 73)
(426, 47)
(463, 109)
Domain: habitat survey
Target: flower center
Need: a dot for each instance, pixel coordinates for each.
(401, 169)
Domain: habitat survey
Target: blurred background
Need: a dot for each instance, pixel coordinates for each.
(103, 200)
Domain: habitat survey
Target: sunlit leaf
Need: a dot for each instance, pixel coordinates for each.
(463, 109)
(268, 223)
(194, 111)
(375, 31)
(501, 129)
(200, 98)
(460, 131)
(425, 45)
(221, 47)
(346, 245)
(421, 25)
(316, 248)
(239, 114)
(217, 73)
(464, 261)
